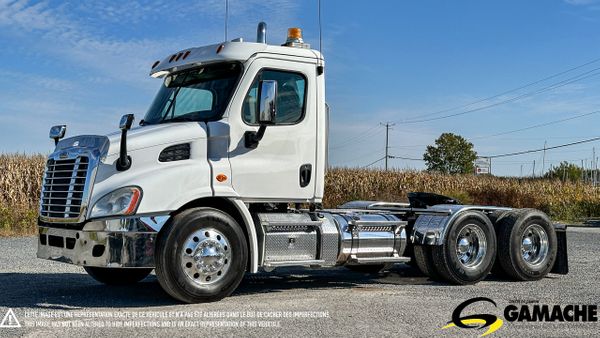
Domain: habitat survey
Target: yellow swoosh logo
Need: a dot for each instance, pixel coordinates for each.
(493, 328)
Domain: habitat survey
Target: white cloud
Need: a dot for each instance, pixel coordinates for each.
(90, 50)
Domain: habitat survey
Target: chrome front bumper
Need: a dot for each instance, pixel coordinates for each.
(121, 242)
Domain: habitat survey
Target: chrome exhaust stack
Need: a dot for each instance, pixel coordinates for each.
(261, 32)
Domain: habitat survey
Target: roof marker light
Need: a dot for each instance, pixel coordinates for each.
(220, 48)
(178, 56)
(186, 55)
(155, 64)
(294, 38)
(172, 57)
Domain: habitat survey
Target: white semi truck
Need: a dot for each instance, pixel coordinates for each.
(225, 175)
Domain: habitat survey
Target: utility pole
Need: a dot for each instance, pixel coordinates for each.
(387, 126)
(593, 166)
(521, 170)
(544, 159)
(533, 171)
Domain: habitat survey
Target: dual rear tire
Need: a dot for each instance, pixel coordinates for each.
(528, 245)
(519, 245)
(467, 254)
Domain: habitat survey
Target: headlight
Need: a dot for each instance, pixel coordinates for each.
(123, 201)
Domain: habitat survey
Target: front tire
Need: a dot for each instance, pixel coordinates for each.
(117, 276)
(468, 251)
(201, 256)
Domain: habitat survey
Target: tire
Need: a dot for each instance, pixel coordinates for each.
(424, 261)
(201, 256)
(477, 238)
(371, 268)
(513, 229)
(117, 276)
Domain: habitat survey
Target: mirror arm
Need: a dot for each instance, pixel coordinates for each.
(252, 138)
(124, 161)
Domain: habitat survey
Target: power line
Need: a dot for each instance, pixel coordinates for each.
(546, 148)
(513, 99)
(517, 130)
(536, 126)
(346, 142)
(406, 158)
(508, 91)
(370, 164)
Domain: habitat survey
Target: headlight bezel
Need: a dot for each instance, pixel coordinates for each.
(136, 194)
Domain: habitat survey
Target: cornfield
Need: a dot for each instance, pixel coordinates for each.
(20, 181)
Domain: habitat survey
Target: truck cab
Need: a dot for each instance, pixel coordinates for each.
(225, 174)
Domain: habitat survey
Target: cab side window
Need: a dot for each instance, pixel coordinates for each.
(291, 90)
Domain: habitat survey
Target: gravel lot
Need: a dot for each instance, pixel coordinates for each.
(61, 299)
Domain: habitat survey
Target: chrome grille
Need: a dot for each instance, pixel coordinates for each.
(63, 188)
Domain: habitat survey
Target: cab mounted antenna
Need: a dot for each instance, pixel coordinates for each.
(320, 60)
(226, 17)
(320, 30)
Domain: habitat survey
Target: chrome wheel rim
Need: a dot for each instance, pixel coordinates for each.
(534, 245)
(471, 246)
(205, 256)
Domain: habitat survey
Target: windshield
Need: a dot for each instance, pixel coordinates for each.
(199, 94)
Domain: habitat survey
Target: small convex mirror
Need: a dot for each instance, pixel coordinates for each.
(267, 102)
(126, 121)
(57, 132)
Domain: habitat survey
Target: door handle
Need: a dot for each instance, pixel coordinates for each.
(305, 174)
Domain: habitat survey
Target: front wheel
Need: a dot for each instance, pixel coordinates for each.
(468, 251)
(117, 276)
(201, 256)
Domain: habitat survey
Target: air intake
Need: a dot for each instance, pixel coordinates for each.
(177, 152)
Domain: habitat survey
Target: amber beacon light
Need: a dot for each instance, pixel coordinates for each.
(294, 38)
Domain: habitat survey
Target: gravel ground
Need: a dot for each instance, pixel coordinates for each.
(55, 299)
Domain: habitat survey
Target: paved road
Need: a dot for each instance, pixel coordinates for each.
(291, 302)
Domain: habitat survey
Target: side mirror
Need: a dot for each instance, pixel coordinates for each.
(126, 121)
(57, 132)
(265, 114)
(124, 161)
(267, 102)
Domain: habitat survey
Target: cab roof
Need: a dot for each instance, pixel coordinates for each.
(226, 51)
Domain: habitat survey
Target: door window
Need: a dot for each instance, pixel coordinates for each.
(291, 91)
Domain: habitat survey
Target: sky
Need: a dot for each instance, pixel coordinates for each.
(501, 67)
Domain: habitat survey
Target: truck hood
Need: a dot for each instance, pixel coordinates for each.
(154, 135)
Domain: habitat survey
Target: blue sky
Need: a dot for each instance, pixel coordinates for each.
(85, 63)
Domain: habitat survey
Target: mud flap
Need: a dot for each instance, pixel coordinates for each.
(561, 265)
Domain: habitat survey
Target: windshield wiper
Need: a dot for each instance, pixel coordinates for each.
(171, 107)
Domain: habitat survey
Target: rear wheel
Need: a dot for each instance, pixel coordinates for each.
(527, 244)
(424, 261)
(468, 251)
(117, 276)
(201, 256)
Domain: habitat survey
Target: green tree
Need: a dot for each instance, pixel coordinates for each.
(565, 171)
(451, 154)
